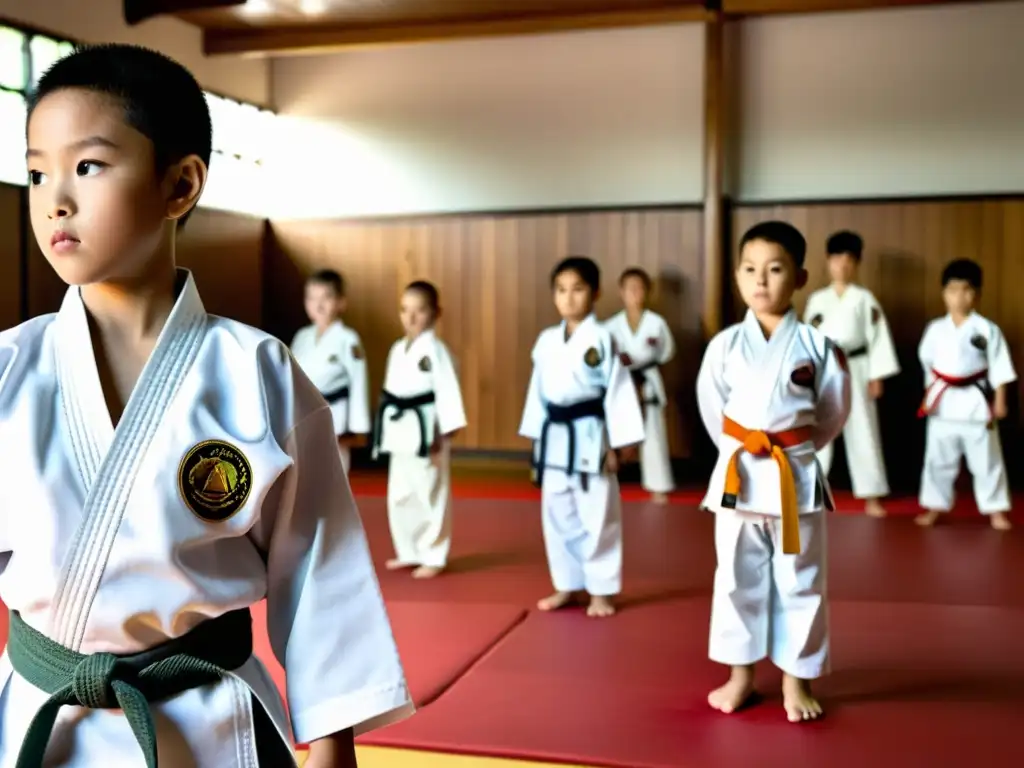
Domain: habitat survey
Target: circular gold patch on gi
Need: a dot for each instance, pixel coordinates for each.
(215, 480)
(592, 357)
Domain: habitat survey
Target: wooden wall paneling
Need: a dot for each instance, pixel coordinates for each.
(223, 251)
(10, 255)
(907, 245)
(493, 274)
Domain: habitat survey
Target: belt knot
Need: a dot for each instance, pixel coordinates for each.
(93, 682)
(757, 443)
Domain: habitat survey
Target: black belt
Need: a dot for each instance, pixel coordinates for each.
(639, 376)
(856, 351)
(402, 405)
(566, 415)
(337, 395)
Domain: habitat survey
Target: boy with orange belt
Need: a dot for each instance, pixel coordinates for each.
(771, 391)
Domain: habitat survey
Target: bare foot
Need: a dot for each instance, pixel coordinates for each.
(874, 508)
(797, 699)
(395, 565)
(555, 601)
(1001, 522)
(928, 518)
(600, 607)
(427, 572)
(735, 693)
(660, 499)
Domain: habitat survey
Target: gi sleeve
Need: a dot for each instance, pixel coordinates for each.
(534, 410)
(926, 351)
(451, 414)
(326, 618)
(1000, 364)
(623, 417)
(358, 387)
(882, 360)
(667, 345)
(712, 391)
(833, 407)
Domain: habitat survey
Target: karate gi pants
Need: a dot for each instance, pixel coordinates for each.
(420, 509)
(767, 604)
(655, 461)
(946, 443)
(861, 438)
(582, 532)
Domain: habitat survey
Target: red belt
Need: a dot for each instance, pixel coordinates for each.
(944, 382)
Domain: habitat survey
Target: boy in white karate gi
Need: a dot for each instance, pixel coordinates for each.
(645, 344)
(967, 367)
(850, 315)
(331, 354)
(169, 468)
(419, 414)
(771, 392)
(581, 407)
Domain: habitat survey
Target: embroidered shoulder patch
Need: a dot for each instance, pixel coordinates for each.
(817, 320)
(357, 352)
(876, 315)
(592, 357)
(424, 364)
(214, 479)
(979, 342)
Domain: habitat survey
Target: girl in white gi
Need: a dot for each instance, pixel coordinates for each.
(771, 392)
(163, 470)
(645, 344)
(581, 406)
(967, 366)
(850, 315)
(420, 411)
(331, 354)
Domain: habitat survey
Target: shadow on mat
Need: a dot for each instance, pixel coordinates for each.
(847, 688)
(483, 561)
(650, 598)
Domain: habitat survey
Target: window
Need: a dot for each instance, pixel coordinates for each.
(24, 57)
(13, 76)
(242, 133)
(12, 138)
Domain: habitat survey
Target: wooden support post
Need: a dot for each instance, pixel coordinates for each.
(714, 156)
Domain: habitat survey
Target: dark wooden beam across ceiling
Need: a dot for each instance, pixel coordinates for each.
(322, 38)
(286, 29)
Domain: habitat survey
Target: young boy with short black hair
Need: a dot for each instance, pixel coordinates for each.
(645, 344)
(771, 391)
(175, 468)
(581, 407)
(331, 355)
(967, 367)
(850, 315)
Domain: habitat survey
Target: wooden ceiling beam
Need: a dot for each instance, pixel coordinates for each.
(766, 7)
(327, 38)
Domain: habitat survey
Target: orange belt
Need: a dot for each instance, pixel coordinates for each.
(768, 445)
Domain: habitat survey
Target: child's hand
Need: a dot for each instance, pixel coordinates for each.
(611, 463)
(628, 454)
(336, 751)
(435, 451)
(999, 409)
(875, 388)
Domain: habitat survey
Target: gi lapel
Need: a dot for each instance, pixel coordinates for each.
(108, 457)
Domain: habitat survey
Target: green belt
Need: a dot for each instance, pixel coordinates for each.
(129, 683)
